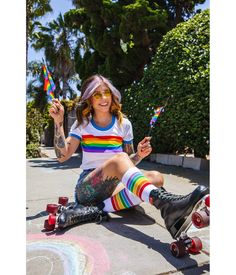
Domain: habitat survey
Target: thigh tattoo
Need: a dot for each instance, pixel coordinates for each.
(94, 188)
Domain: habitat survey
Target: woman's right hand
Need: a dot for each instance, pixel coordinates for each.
(56, 111)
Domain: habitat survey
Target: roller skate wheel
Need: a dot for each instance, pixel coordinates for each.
(200, 219)
(178, 249)
(52, 208)
(63, 200)
(196, 245)
(52, 219)
(207, 201)
(48, 227)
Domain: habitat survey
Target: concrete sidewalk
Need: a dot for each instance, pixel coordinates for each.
(133, 242)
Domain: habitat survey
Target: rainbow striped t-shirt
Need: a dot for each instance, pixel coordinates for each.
(101, 143)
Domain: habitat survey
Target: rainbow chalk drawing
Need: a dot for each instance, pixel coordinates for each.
(78, 255)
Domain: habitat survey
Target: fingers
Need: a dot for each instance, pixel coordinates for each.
(57, 104)
(55, 107)
(145, 140)
(145, 145)
(56, 110)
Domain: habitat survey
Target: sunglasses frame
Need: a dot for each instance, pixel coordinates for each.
(98, 95)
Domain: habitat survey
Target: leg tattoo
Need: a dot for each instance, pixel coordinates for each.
(95, 189)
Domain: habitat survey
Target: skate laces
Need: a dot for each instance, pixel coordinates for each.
(89, 213)
(164, 195)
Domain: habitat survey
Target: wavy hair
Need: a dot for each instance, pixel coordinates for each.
(84, 109)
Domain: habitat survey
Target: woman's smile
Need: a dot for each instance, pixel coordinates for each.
(104, 104)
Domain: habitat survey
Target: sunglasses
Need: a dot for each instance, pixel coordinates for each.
(99, 95)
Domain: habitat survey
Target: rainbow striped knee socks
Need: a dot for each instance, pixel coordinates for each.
(137, 189)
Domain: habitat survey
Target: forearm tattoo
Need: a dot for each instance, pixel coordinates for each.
(135, 158)
(59, 141)
(129, 149)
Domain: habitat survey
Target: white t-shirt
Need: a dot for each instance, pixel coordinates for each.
(99, 143)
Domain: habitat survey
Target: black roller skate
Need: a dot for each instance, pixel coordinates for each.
(186, 244)
(176, 210)
(73, 214)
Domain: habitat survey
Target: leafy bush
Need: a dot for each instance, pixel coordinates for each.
(32, 150)
(180, 69)
(35, 123)
(69, 105)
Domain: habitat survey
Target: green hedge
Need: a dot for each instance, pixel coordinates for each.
(32, 150)
(180, 69)
(34, 129)
(37, 119)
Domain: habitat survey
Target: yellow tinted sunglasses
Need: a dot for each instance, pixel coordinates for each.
(99, 95)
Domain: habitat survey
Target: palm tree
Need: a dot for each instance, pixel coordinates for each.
(35, 9)
(58, 42)
(35, 84)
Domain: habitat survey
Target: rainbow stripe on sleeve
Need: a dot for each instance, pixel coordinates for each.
(101, 144)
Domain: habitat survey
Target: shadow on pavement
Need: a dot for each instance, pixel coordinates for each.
(201, 270)
(72, 163)
(198, 177)
(125, 215)
(38, 215)
(117, 226)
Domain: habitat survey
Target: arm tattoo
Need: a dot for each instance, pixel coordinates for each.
(135, 158)
(59, 141)
(129, 149)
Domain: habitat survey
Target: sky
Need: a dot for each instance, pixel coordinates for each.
(64, 6)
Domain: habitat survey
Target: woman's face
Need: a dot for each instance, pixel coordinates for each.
(101, 99)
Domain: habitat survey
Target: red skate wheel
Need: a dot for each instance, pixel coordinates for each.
(63, 200)
(196, 245)
(178, 249)
(52, 219)
(52, 208)
(47, 226)
(207, 201)
(200, 219)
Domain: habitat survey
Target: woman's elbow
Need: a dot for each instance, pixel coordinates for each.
(62, 158)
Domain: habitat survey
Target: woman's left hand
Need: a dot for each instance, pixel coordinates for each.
(144, 147)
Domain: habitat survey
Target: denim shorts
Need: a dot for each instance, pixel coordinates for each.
(93, 193)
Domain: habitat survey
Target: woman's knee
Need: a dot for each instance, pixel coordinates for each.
(121, 155)
(155, 177)
(117, 165)
(120, 158)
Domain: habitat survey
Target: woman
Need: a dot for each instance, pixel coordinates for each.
(110, 180)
